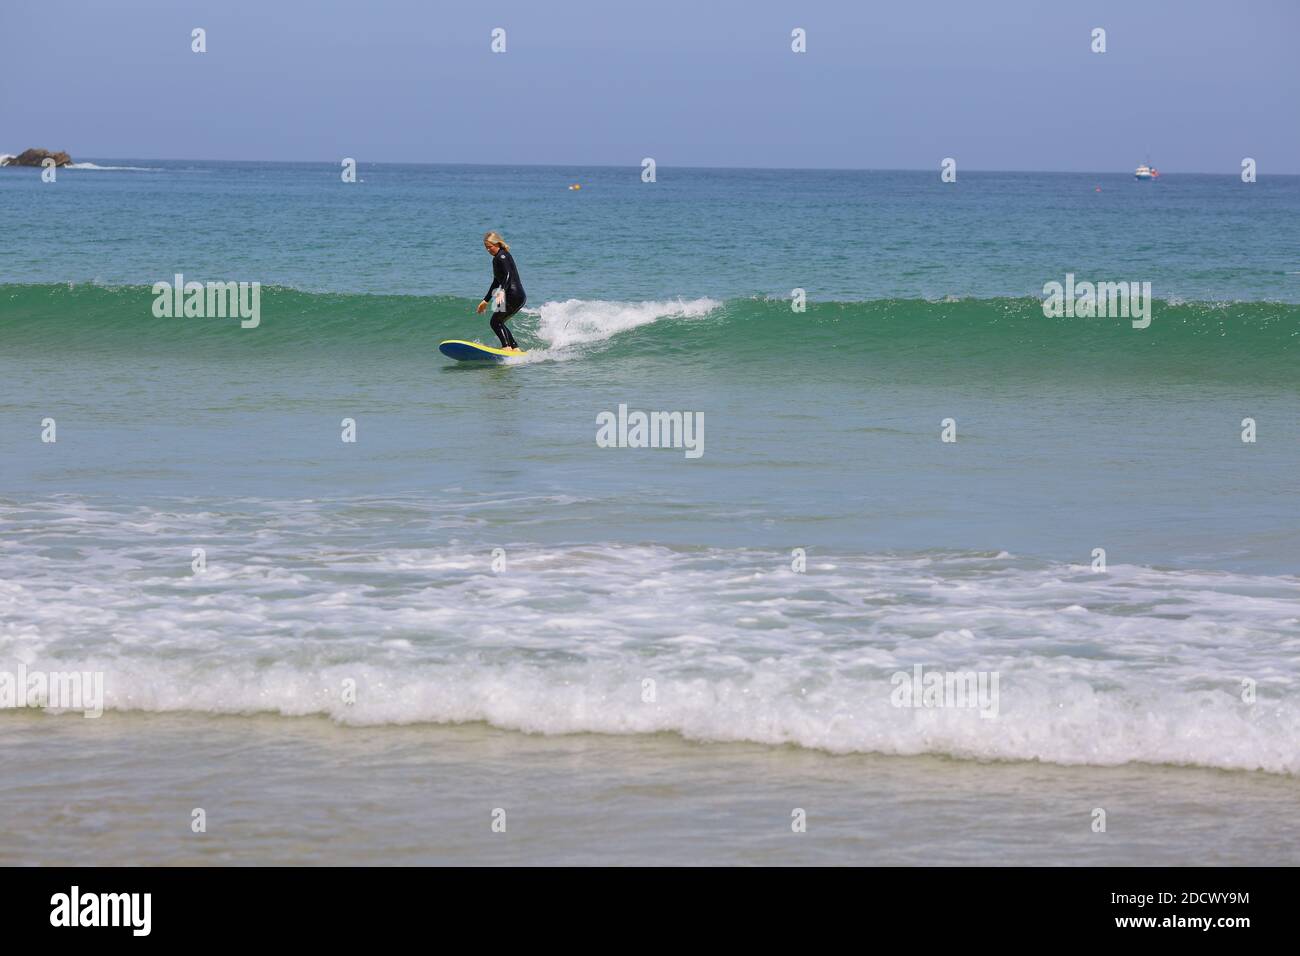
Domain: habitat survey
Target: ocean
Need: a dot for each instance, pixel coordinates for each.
(352, 599)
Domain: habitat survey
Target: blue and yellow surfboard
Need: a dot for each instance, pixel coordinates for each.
(463, 351)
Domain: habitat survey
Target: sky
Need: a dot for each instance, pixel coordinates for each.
(998, 85)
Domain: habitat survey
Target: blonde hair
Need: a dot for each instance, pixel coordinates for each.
(495, 239)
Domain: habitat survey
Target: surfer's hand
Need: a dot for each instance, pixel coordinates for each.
(481, 307)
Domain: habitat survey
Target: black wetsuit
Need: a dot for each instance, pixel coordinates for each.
(505, 276)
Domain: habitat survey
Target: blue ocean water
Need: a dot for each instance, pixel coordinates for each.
(476, 555)
(841, 235)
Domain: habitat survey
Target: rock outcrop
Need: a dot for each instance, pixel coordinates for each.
(34, 157)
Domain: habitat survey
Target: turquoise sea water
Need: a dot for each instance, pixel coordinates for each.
(373, 561)
(842, 235)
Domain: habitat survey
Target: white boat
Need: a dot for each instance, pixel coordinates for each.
(1146, 172)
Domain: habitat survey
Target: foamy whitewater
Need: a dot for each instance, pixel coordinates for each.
(563, 325)
(476, 603)
(1132, 665)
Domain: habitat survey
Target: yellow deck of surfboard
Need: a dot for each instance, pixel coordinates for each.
(463, 351)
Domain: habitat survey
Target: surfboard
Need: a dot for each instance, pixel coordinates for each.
(463, 351)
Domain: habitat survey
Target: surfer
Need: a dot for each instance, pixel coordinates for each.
(509, 291)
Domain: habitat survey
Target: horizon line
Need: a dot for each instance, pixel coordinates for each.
(637, 166)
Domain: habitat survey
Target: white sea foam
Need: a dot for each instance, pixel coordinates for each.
(1137, 664)
(562, 326)
(140, 169)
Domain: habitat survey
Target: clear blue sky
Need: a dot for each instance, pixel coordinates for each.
(1003, 84)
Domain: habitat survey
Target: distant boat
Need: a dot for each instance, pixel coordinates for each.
(1146, 172)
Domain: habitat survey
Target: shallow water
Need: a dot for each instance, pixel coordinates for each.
(307, 792)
